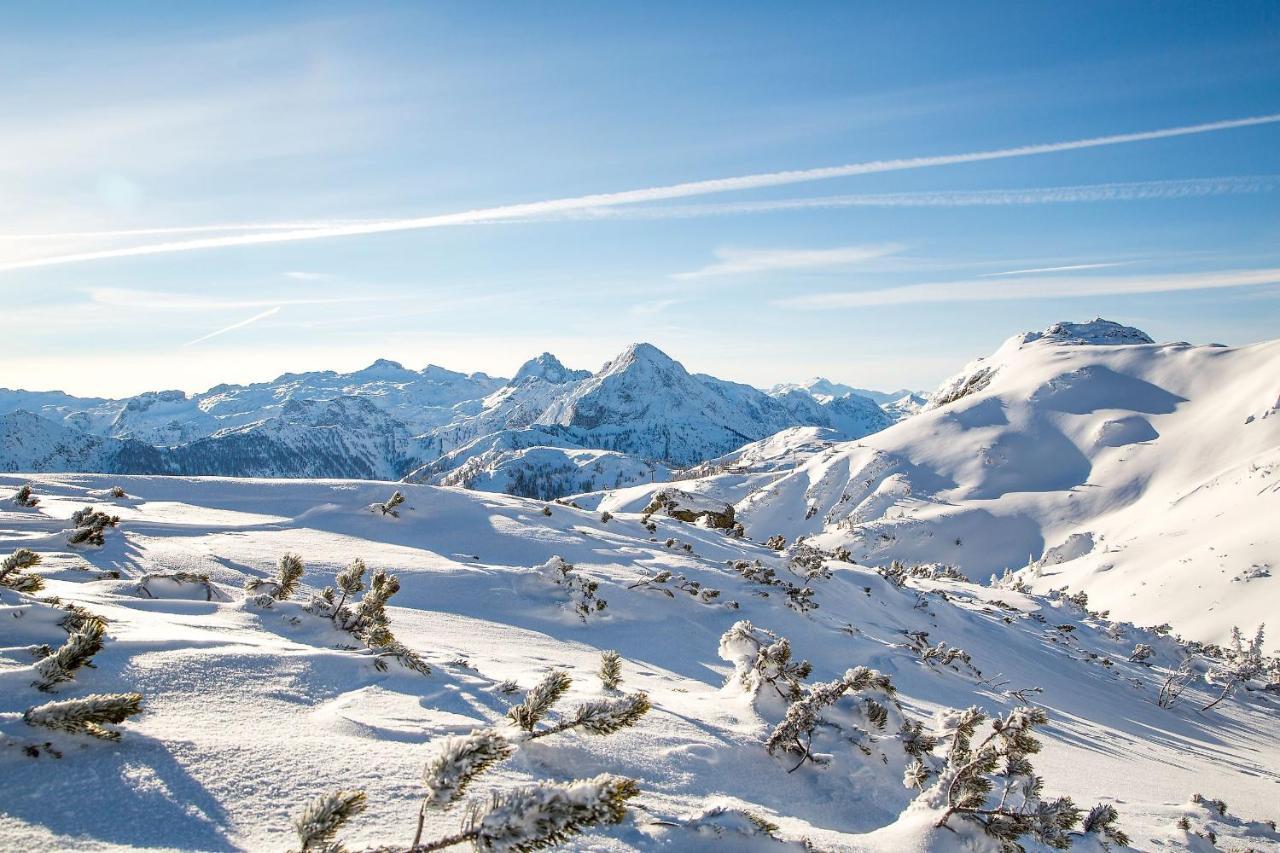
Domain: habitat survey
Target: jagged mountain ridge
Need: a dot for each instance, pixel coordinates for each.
(435, 425)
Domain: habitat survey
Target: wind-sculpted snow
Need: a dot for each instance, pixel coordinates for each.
(1154, 451)
(254, 704)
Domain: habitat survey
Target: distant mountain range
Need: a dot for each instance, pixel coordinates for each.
(546, 432)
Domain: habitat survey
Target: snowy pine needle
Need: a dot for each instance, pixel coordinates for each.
(606, 716)
(538, 701)
(458, 760)
(610, 669)
(12, 567)
(87, 715)
(324, 816)
(544, 816)
(79, 648)
(285, 583)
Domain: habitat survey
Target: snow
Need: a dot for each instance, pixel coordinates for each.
(388, 421)
(1081, 433)
(250, 712)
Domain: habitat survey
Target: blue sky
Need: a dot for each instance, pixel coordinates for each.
(263, 139)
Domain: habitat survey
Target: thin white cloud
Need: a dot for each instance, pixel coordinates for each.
(744, 261)
(1071, 268)
(255, 318)
(1080, 193)
(161, 301)
(120, 233)
(976, 290)
(601, 200)
(299, 275)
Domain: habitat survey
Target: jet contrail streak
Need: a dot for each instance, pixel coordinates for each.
(255, 318)
(683, 190)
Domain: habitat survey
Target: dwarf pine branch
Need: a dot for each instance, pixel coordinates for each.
(90, 526)
(76, 652)
(88, 715)
(761, 657)
(12, 571)
(602, 717)
(538, 701)
(324, 816)
(543, 816)
(457, 761)
(794, 734)
(610, 669)
(285, 583)
(1103, 820)
(24, 498)
(388, 507)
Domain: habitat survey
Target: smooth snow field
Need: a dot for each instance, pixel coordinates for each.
(252, 708)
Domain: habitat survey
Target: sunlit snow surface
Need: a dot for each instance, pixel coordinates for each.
(249, 713)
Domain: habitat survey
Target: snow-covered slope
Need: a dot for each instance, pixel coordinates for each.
(1166, 456)
(252, 709)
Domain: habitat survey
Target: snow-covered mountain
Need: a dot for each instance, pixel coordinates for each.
(1147, 475)
(824, 390)
(436, 425)
(421, 399)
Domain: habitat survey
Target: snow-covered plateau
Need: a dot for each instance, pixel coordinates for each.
(1001, 619)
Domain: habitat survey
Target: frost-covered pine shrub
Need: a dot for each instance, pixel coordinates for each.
(389, 506)
(761, 658)
(199, 579)
(544, 815)
(799, 598)
(665, 580)
(24, 498)
(1242, 663)
(13, 571)
(1102, 821)
(285, 583)
(79, 648)
(538, 701)
(90, 527)
(606, 517)
(872, 690)
(530, 818)
(598, 717)
(88, 716)
(366, 619)
(895, 573)
(1175, 683)
(808, 562)
(319, 822)
(582, 590)
(993, 785)
(457, 761)
(941, 654)
(724, 822)
(1141, 653)
(117, 492)
(610, 669)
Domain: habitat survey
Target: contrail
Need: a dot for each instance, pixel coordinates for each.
(1124, 191)
(1032, 288)
(600, 200)
(255, 318)
(1071, 268)
(182, 229)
